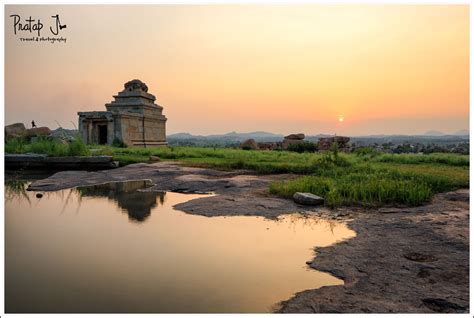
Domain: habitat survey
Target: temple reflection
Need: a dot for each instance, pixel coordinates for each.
(137, 204)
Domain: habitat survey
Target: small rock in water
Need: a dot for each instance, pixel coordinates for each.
(307, 198)
(39, 195)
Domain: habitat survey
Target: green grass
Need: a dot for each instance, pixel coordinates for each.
(442, 158)
(263, 162)
(46, 146)
(372, 184)
(364, 178)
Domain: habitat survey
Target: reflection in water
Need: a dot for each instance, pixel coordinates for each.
(15, 189)
(70, 251)
(126, 194)
(296, 220)
(137, 204)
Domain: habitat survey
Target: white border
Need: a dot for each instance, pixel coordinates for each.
(206, 2)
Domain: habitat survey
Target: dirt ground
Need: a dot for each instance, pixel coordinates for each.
(403, 260)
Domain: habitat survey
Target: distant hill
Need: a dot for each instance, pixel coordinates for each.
(462, 132)
(434, 133)
(233, 139)
(184, 136)
(254, 135)
(234, 136)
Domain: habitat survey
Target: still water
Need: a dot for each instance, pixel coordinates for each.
(114, 248)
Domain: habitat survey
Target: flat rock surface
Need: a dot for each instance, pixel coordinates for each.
(404, 260)
(238, 193)
(410, 260)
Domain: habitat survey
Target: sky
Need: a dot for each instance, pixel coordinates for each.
(345, 69)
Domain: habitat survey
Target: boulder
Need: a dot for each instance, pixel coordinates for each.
(39, 131)
(249, 144)
(287, 142)
(15, 130)
(65, 134)
(325, 143)
(267, 145)
(155, 158)
(295, 137)
(306, 198)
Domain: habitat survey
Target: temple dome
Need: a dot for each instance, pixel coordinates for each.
(135, 85)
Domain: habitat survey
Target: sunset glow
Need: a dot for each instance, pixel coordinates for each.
(390, 69)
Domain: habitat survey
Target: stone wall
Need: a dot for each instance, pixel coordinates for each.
(141, 131)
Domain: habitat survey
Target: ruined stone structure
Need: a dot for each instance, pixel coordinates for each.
(292, 139)
(132, 118)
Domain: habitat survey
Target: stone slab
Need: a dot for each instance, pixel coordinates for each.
(39, 161)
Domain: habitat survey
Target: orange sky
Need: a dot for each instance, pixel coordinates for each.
(281, 68)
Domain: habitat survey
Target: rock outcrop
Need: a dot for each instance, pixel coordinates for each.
(299, 136)
(39, 131)
(325, 143)
(269, 145)
(249, 144)
(15, 130)
(19, 130)
(307, 198)
(292, 139)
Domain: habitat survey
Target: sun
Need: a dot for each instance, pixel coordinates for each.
(341, 119)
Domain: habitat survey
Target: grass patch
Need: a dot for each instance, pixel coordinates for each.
(357, 189)
(442, 158)
(50, 147)
(262, 162)
(376, 184)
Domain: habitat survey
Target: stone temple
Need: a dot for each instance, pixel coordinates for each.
(132, 118)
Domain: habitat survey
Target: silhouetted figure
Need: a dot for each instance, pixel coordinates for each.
(33, 125)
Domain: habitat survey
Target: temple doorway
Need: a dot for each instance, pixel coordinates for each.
(102, 134)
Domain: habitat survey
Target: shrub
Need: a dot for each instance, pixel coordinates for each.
(50, 147)
(366, 152)
(15, 145)
(118, 143)
(331, 159)
(78, 148)
(304, 146)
